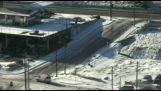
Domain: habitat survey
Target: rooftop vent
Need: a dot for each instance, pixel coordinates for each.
(36, 32)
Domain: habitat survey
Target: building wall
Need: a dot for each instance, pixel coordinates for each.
(12, 20)
(18, 45)
(80, 27)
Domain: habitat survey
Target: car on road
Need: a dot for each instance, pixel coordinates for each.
(127, 87)
(147, 79)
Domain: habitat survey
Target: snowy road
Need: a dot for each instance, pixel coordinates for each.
(18, 84)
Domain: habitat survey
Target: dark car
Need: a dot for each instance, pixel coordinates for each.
(158, 79)
(148, 79)
(96, 16)
(79, 19)
(127, 87)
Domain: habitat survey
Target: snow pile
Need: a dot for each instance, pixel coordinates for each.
(147, 44)
(97, 73)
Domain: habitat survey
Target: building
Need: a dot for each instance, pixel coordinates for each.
(24, 16)
(22, 33)
(17, 41)
(39, 39)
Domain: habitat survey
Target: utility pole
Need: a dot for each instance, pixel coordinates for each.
(24, 62)
(134, 13)
(111, 6)
(146, 8)
(56, 64)
(65, 46)
(66, 22)
(137, 75)
(125, 79)
(65, 57)
(120, 81)
(112, 77)
(75, 74)
(28, 74)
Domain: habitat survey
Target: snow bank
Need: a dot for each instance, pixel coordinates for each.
(147, 44)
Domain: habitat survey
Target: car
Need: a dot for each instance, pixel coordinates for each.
(79, 19)
(148, 87)
(95, 16)
(158, 79)
(147, 79)
(127, 87)
(44, 78)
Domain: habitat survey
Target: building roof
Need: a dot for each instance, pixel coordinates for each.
(26, 10)
(49, 27)
(18, 12)
(45, 29)
(23, 31)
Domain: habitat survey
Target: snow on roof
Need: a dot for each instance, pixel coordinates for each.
(22, 31)
(51, 26)
(48, 28)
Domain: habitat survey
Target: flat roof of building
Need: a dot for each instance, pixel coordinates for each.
(22, 31)
(56, 23)
(45, 29)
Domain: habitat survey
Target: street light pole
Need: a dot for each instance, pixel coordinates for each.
(65, 57)
(137, 75)
(134, 13)
(112, 77)
(24, 63)
(56, 64)
(111, 6)
(120, 81)
(28, 74)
